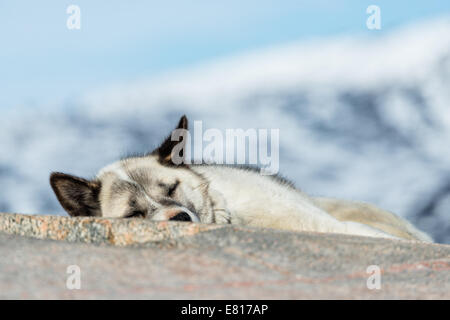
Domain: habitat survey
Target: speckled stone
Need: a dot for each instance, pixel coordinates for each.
(120, 232)
(137, 259)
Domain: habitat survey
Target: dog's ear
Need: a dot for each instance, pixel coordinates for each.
(171, 152)
(79, 197)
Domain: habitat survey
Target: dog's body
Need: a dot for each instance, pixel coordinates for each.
(152, 187)
(256, 200)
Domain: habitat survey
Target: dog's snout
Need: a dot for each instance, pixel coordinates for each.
(182, 216)
(175, 214)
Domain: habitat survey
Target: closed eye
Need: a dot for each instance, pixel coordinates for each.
(169, 188)
(136, 214)
(172, 188)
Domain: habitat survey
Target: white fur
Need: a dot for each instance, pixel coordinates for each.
(261, 201)
(117, 169)
(245, 197)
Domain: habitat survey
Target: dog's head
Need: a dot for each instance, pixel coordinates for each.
(151, 186)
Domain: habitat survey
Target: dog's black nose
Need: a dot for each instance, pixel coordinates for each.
(182, 216)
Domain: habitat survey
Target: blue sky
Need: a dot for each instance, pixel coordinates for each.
(42, 61)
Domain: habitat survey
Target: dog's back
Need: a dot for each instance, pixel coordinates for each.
(267, 201)
(371, 215)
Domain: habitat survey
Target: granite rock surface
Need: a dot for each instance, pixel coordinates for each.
(137, 259)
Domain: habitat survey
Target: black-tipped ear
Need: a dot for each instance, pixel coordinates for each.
(183, 123)
(171, 152)
(79, 197)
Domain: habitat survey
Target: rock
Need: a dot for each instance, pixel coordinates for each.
(135, 258)
(120, 232)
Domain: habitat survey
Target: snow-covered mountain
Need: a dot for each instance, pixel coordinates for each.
(359, 118)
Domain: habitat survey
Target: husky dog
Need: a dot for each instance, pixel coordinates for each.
(153, 187)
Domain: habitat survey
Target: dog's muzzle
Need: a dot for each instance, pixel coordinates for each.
(175, 214)
(182, 216)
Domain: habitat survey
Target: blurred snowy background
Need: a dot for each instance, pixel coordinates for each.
(363, 115)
